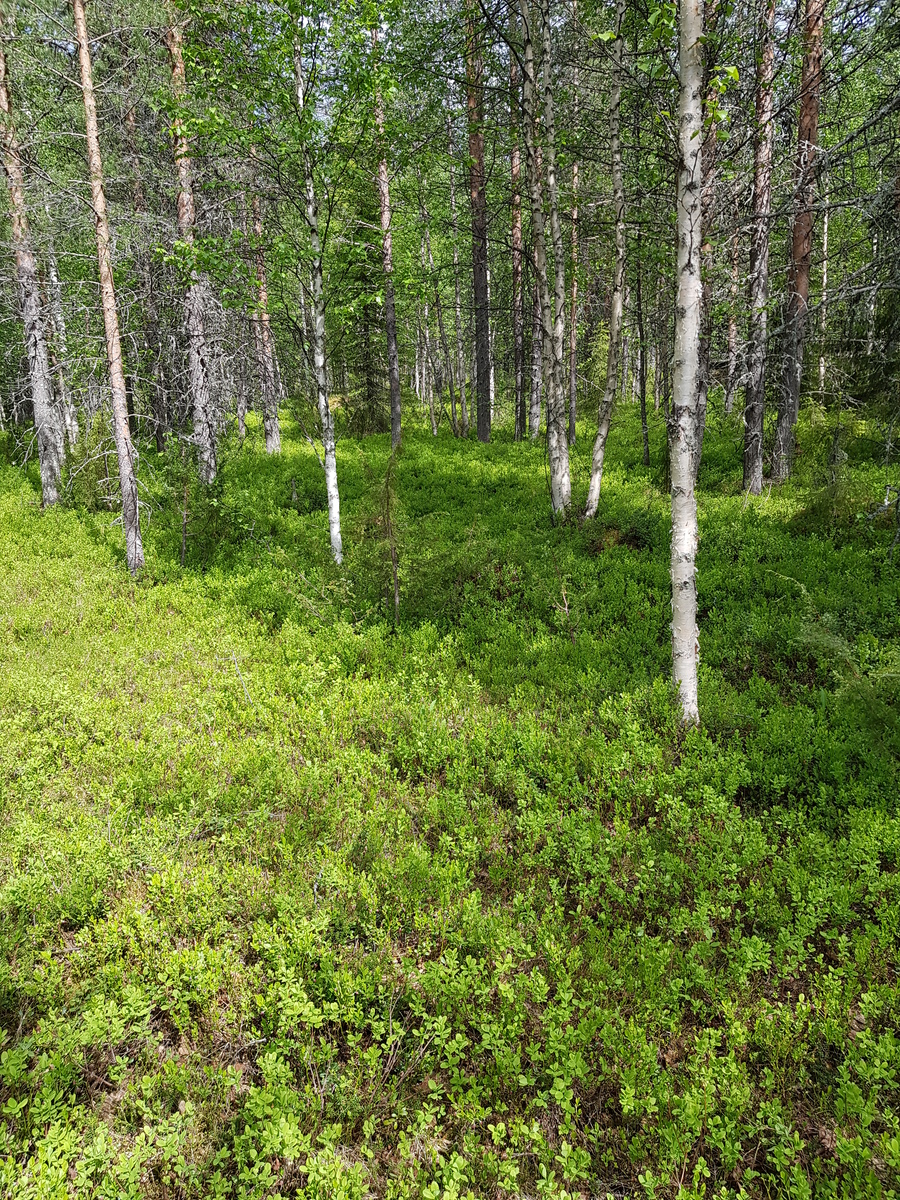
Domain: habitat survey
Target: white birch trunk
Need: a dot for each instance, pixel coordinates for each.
(326, 417)
(534, 407)
(194, 315)
(457, 303)
(686, 375)
(61, 347)
(47, 425)
(617, 305)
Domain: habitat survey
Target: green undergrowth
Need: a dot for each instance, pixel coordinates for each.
(295, 901)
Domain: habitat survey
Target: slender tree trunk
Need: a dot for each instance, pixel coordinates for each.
(617, 305)
(61, 348)
(47, 424)
(683, 428)
(134, 549)
(552, 303)
(326, 417)
(194, 316)
(387, 263)
(153, 341)
(268, 366)
(823, 316)
(558, 446)
(573, 307)
(518, 319)
(439, 311)
(645, 431)
(731, 385)
(475, 110)
(801, 241)
(755, 397)
(457, 302)
(534, 409)
(708, 209)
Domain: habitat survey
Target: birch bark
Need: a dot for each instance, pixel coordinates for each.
(125, 454)
(262, 323)
(194, 315)
(317, 321)
(387, 263)
(617, 303)
(47, 424)
(686, 375)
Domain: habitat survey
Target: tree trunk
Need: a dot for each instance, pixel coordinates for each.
(731, 385)
(755, 396)
(134, 549)
(558, 446)
(47, 424)
(518, 318)
(801, 241)
(387, 263)
(194, 316)
(645, 431)
(552, 304)
(475, 112)
(573, 308)
(61, 350)
(445, 345)
(152, 337)
(268, 367)
(457, 302)
(617, 304)
(823, 315)
(534, 408)
(686, 382)
(326, 417)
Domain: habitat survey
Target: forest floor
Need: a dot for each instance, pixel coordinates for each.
(297, 902)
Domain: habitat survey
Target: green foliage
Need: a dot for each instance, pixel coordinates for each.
(294, 902)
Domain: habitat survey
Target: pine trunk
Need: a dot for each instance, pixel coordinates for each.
(518, 316)
(801, 241)
(134, 549)
(457, 300)
(755, 396)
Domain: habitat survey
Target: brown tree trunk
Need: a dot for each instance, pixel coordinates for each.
(268, 365)
(134, 549)
(387, 262)
(518, 316)
(47, 423)
(475, 112)
(194, 316)
(755, 396)
(801, 241)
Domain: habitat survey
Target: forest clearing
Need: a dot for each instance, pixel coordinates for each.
(450, 600)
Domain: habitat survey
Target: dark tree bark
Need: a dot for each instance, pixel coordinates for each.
(475, 113)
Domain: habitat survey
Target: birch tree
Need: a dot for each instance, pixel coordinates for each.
(125, 453)
(387, 262)
(617, 303)
(47, 422)
(194, 302)
(317, 315)
(478, 197)
(686, 376)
